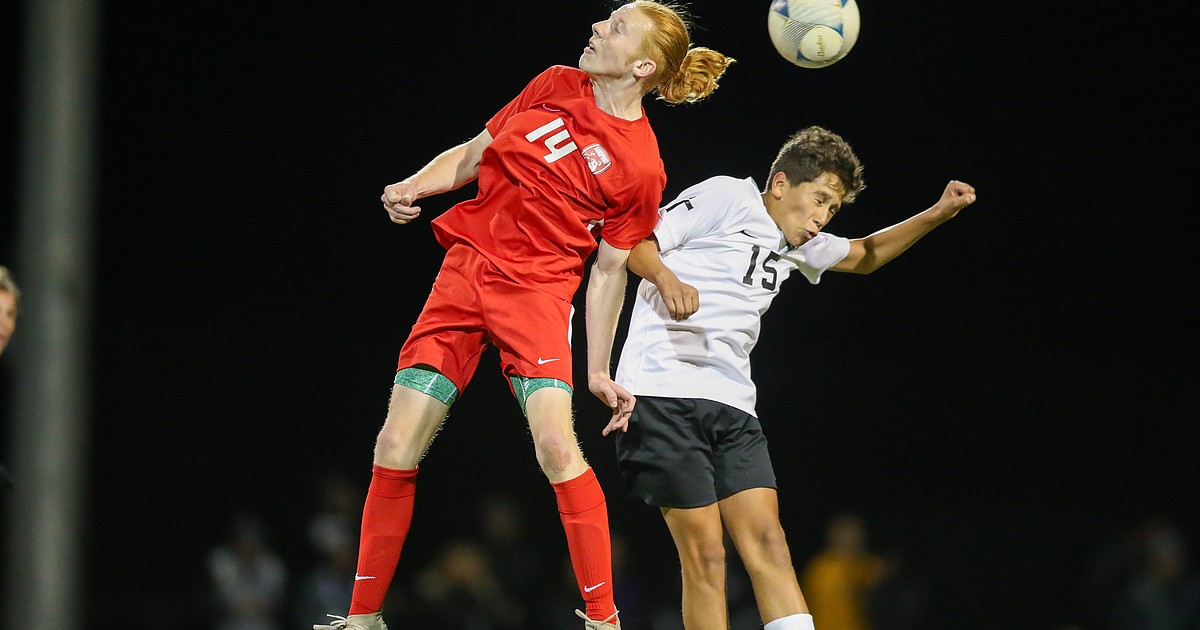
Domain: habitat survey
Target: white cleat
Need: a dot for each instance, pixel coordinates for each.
(373, 621)
(612, 623)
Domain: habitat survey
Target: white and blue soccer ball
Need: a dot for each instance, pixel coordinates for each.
(813, 33)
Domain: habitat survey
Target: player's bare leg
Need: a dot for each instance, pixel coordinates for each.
(550, 420)
(752, 518)
(412, 421)
(700, 542)
(581, 503)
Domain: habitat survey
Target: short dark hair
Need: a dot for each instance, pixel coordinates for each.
(815, 150)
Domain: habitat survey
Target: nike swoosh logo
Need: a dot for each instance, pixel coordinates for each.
(542, 361)
(589, 589)
(359, 578)
(746, 233)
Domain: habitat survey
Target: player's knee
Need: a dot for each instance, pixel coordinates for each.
(391, 442)
(556, 452)
(772, 547)
(704, 560)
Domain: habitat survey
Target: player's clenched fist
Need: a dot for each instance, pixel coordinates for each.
(397, 201)
(958, 195)
(681, 299)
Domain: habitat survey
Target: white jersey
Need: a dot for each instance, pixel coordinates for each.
(717, 237)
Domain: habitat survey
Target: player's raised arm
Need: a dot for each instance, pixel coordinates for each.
(872, 252)
(450, 170)
(681, 299)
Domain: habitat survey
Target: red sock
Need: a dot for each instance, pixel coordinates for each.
(386, 517)
(584, 515)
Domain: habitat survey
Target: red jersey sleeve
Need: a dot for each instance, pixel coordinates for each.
(538, 89)
(634, 213)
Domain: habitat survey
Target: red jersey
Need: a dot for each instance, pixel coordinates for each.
(559, 174)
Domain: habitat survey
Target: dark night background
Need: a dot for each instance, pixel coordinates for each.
(1008, 397)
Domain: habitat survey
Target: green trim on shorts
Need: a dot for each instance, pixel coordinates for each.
(428, 382)
(523, 387)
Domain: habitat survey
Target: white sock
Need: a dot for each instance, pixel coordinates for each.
(803, 621)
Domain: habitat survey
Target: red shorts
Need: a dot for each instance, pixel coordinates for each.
(473, 304)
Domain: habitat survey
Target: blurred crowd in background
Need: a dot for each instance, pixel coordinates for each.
(502, 577)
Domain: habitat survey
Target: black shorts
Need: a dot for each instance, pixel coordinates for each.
(691, 452)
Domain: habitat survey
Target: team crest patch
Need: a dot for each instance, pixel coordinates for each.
(597, 158)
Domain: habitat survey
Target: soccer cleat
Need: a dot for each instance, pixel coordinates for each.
(373, 621)
(612, 623)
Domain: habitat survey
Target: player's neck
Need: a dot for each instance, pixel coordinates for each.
(623, 100)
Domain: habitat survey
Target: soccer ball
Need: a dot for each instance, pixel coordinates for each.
(813, 33)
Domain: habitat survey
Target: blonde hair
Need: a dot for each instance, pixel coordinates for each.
(8, 284)
(685, 74)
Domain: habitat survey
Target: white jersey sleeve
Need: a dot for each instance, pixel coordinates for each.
(819, 254)
(681, 221)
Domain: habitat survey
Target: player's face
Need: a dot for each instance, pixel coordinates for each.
(615, 42)
(803, 210)
(8, 317)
